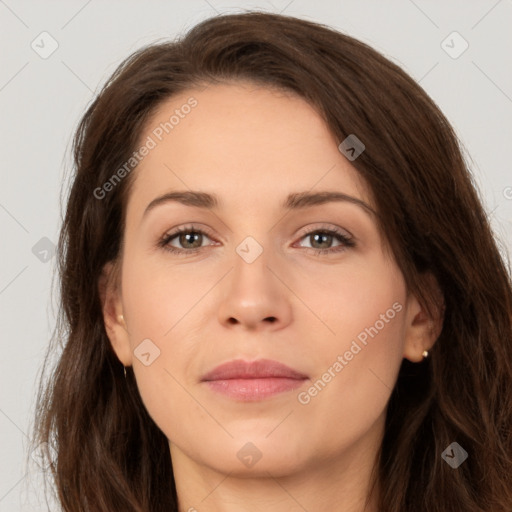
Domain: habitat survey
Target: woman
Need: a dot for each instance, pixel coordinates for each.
(338, 335)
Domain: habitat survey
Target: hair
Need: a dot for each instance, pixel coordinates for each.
(109, 454)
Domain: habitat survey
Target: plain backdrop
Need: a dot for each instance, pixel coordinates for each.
(43, 96)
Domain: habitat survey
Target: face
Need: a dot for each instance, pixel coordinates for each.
(259, 273)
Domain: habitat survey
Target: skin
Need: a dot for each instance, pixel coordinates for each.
(252, 146)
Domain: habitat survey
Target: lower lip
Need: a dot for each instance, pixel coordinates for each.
(254, 389)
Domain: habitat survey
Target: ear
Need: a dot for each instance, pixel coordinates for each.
(111, 305)
(423, 329)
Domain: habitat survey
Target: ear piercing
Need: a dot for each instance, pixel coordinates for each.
(425, 354)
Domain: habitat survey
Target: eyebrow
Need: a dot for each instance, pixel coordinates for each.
(295, 201)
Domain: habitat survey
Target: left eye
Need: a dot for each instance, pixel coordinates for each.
(191, 240)
(324, 237)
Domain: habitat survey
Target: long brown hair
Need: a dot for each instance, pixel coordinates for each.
(110, 454)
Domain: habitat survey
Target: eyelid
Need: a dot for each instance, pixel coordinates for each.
(324, 227)
(199, 228)
(189, 227)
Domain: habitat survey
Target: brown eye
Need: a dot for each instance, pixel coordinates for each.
(192, 238)
(321, 238)
(321, 241)
(188, 240)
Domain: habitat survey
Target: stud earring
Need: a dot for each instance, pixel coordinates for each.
(425, 354)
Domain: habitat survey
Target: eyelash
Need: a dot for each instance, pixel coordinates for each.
(341, 237)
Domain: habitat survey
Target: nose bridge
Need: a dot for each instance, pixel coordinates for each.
(250, 249)
(253, 293)
(251, 274)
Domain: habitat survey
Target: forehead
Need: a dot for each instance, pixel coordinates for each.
(249, 145)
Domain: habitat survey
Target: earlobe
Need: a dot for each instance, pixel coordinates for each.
(419, 337)
(113, 318)
(423, 328)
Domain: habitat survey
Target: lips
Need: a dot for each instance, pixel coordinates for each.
(253, 381)
(260, 369)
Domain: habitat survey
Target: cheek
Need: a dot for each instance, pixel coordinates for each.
(162, 320)
(159, 305)
(356, 365)
(365, 300)
(350, 391)
(156, 297)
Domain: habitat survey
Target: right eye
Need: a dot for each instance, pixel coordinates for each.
(190, 238)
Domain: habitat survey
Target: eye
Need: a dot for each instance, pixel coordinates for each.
(191, 239)
(321, 240)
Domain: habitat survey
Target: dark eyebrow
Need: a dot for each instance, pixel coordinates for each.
(294, 201)
(305, 199)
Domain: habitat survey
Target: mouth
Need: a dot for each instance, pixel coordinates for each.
(253, 381)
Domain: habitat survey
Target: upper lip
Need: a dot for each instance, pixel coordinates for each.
(260, 369)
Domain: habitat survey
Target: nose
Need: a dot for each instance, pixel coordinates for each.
(255, 296)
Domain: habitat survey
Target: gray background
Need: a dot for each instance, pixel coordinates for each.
(41, 100)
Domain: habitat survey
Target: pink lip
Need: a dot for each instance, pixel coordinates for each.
(253, 381)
